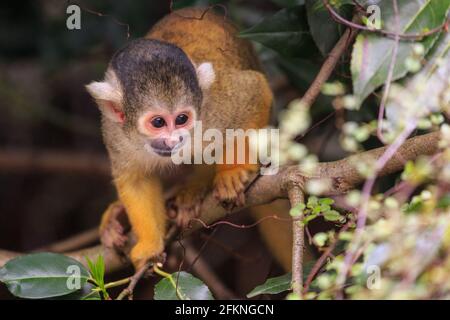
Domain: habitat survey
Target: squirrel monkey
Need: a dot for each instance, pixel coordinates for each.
(189, 67)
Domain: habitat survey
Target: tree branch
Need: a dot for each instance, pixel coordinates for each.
(342, 173)
(296, 197)
(328, 66)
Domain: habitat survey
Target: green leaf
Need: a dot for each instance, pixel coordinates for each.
(273, 286)
(301, 72)
(324, 30)
(43, 275)
(312, 202)
(372, 53)
(280, 284)
(444, 202)
(188, 287)
(320, 238)
(309, 218)
(285, 32)
(332, 215)
(97, 270)
(85, 293)
(326, 201)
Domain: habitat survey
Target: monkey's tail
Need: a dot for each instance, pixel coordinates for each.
(277, 232)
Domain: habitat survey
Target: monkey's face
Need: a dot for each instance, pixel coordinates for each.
(166, 131)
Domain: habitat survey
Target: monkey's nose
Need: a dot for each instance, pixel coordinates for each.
(173, 141)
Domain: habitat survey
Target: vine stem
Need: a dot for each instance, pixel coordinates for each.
(117, 283)
(387, 86)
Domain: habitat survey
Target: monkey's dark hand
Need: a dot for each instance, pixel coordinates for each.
(186, 205)
(114, 226)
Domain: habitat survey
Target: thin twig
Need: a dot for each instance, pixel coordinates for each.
(128, 291)
(387, 86)
(319, 263)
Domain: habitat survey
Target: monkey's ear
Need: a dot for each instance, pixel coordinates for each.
(108, 96)
(205, 75)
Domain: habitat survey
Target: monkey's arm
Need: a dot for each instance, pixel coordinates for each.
(252, 101)
(144, 202)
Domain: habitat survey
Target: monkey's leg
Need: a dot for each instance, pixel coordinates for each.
(144, 202)
(189, 199)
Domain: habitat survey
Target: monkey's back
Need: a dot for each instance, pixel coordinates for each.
(206, 36)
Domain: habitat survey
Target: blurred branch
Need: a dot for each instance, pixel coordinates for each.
(342, 174)
(81, 240)
(19, 160)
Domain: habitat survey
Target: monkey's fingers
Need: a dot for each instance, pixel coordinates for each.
(113, 236)
(187, 204)
(224, 188)
(229, 187)
(186, 214)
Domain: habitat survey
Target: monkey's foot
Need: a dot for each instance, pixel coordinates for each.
(229, 186)
(112, 229)
(147, 251)
(141, 272)
(187, 204)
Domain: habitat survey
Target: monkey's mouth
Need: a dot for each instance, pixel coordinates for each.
(163, 152)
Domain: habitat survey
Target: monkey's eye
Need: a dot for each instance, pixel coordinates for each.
(181, 119)
(158, 122)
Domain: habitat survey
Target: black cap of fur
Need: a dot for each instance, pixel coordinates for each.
(148, 66)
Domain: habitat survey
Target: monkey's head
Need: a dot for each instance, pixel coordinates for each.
(153, 92)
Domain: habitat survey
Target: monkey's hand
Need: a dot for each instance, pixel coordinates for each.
(230, 183)
(113, 227)
(188, 201)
